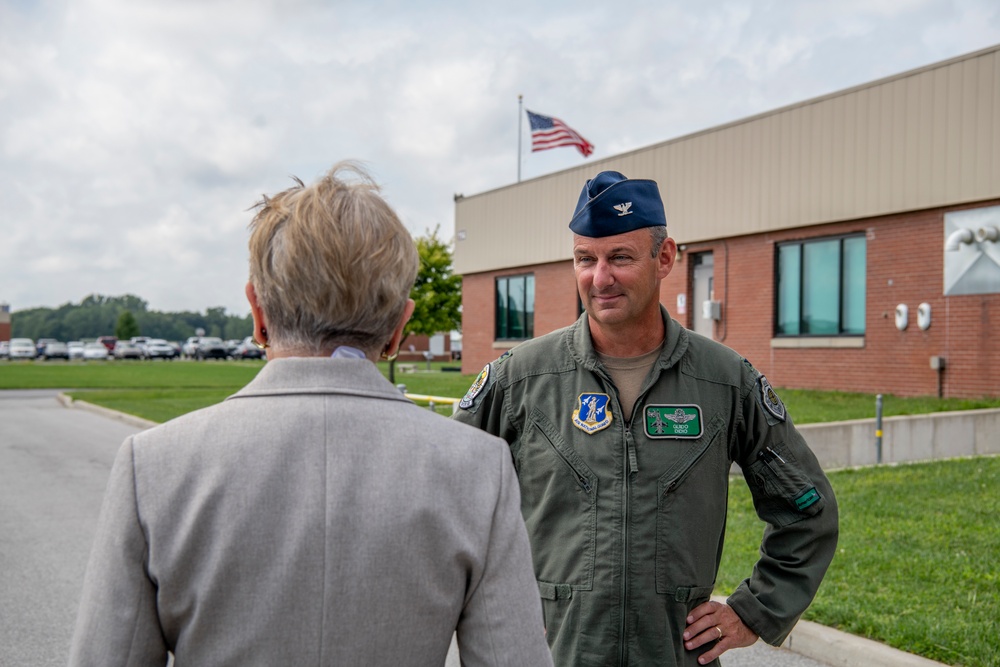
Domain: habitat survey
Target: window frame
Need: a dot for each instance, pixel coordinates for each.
(841, 301)
(527, 314)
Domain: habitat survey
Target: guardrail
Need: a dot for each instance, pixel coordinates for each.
(434, 401)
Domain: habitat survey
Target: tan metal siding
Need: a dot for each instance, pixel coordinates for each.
(922, 139)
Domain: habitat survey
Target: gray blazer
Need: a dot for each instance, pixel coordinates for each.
(316, 517)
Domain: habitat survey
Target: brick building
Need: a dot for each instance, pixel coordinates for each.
(4, 322)
(849, 242)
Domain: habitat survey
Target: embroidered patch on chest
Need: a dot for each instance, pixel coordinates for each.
(593, 413)
(673, 421)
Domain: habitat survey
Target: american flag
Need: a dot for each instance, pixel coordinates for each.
(547, 132)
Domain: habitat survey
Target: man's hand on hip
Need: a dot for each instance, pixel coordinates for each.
(716, 622)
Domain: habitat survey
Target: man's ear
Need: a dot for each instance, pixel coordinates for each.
(666, 258)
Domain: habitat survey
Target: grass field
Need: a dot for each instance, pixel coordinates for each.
(140, 388)
(917, 564)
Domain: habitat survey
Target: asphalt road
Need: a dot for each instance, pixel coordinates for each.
(54, 465)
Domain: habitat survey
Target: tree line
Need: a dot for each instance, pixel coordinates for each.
(98, 315)
(436, 291)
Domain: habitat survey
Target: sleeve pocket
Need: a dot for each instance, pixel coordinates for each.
(782, 492)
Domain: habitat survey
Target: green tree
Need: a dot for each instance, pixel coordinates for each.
(127, 327)
(436, 293)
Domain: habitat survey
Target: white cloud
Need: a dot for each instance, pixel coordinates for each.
(135, 136)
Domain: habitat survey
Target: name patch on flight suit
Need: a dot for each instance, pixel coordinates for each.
(593, 415)
(673, 421)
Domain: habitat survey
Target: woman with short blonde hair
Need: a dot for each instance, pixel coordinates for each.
(330, 265)
(316, 516)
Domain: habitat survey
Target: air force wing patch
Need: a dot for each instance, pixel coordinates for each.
(593, 413)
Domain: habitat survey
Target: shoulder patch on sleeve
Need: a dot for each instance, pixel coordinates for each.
(479, 385)
(769, 399)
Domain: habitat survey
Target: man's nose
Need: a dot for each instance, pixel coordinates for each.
(603, 277)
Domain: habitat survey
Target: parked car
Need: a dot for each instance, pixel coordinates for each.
(247, 350)
(231, 346)
(40, 346)
(95, 352)
(157, 348)
(190, 347)
(75, 348)
(108, 342)
(22, 348)
(126, 349)
(4, 349)
(56, 350)
(210, 347)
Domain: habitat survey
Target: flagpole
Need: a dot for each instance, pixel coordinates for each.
(520, 98)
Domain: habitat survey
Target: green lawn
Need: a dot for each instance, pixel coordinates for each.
(917, 565)
(140, 384)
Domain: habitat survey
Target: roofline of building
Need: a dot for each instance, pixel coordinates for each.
(748, 119)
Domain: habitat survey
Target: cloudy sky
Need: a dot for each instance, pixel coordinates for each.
(135, 134)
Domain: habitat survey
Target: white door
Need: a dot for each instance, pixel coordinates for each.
(704, 290)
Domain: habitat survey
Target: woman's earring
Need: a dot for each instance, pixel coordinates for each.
(260, 346)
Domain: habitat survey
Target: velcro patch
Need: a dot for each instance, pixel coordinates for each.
(807, 498)
(672, 421)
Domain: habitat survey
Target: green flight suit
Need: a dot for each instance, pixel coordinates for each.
(627, 516)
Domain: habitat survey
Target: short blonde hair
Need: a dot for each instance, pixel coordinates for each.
(331, 264)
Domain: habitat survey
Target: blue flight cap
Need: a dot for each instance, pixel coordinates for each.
(612, 204)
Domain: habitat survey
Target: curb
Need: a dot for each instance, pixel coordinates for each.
(840, 649)
(132, 420)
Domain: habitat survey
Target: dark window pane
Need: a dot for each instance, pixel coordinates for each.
(515, 307)
(529, 307)
(501, 308)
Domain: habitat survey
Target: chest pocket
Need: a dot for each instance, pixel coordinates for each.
(691, 514)
(559, 504)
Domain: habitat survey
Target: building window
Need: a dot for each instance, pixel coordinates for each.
(515, 307)
(821, 287)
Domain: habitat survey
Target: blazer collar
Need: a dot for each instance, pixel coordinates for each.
(320, 375)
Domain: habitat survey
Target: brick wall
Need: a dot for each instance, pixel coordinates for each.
(905, 264)
(555, 307)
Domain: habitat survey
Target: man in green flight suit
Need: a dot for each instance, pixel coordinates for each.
(623, 428)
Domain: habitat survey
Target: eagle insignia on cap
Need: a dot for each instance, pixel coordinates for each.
(623, 208)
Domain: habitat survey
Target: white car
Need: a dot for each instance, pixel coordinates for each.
(75, 349)
(22, 348)
(157, 348)
(92, 351)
